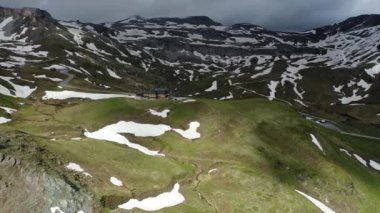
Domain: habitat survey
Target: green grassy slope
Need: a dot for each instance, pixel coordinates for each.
(261, 150)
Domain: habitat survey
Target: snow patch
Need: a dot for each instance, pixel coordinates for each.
(61, 95)
(139, 130)
(353, 98)
(189, 101)
(230, 96)
(56, 67)
(366, 86)
(374, 165)
(163, 113)
(373, 71)
(56, 209)
(164, 200)
(113, 74)
(361, 160)
(8, 110)
(346, 152)
(317, 203)
(4, 23)
(213, 87)
(45, 77)
(272, 86)
(116, 181)
(316, 142)
(4, 120)
(212, 170)
(338, 89)
(75, 167)
(112, 136)
(190, 133)
(18, 90)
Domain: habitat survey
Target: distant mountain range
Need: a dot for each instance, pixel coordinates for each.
(195, 56)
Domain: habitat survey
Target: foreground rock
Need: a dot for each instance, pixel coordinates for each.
(28, 184)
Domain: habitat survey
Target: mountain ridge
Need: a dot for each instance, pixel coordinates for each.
(368, 20)
(189, 55)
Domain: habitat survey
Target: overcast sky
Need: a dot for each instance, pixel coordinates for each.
(273, 14)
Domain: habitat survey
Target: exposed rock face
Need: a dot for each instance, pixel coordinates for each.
(34, 13)
(194, 20)
(26, 186)
(351, 24)
(8, 161)
(29, 23)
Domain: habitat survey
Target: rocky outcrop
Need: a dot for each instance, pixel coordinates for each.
(27, 184)
(33, 13)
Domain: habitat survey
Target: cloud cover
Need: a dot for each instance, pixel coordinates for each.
(285, 15)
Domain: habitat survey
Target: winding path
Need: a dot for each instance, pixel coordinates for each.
(65, 83)
(253, 91)
(334, 126)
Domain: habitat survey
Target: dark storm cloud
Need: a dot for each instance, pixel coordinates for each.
(273, 14)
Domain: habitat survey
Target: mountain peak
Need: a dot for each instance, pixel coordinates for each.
(359, 22)
(351, 24)
(247, 26)
(132, 19)
(35, 13)
(195, 20)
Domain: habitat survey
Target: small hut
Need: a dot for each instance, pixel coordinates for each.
(156, 93)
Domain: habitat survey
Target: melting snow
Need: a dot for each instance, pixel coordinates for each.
(61, 95)
(113, 74)
(264, 72)
(56, 209)
(360, 159)
(95, 50)
(116, 181)
(353, 98)
(317, 203)
(189, 101)
(139, 130)
(212, 170)
(8, 110)
(45, 77)
(76, 139)
(374, 165)
(213, 87)
(4, 120)
(26, 50)
(366, 86)
(291, 74)
(338, 89)
(272, 86)
(164, 200)
(4, 23)
(77, 168)
(316, 142)
(20, 91)
(190, 133)
(109, 135)
(230, 96)
(163, 113)
(373, 71)
(56, 67)
(75, 29)
(346, 152)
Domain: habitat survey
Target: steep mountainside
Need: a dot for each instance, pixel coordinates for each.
(189, 55)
